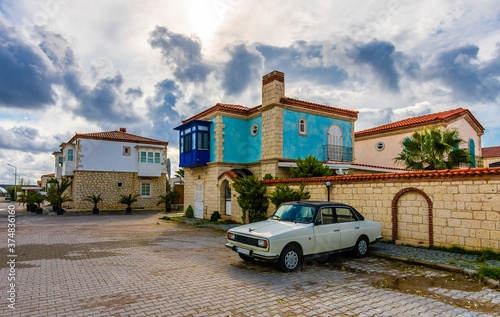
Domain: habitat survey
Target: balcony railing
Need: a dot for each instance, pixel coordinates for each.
(337, 153)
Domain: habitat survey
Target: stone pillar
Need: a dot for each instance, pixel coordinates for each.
(273, 88)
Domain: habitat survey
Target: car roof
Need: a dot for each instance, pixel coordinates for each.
(316, 203)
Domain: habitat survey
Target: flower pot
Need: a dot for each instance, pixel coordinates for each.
(168, 208)
(55, 208)
(60, 211)
(38, 211)
(128, 210)
(95, 211)
(30, 207)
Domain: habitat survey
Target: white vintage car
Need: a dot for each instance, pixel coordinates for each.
(304, 229)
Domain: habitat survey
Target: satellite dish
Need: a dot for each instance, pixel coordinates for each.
(169, 169)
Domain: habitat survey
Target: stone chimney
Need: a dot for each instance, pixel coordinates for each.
(123, 129)
(273, 87)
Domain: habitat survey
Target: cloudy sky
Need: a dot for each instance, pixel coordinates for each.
(71, 66)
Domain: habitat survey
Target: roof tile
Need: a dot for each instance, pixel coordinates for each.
(420, 121)
(493, 151)
(118, 136)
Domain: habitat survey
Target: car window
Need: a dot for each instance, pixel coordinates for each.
(294, 213)
(326, 216)
(345, 215)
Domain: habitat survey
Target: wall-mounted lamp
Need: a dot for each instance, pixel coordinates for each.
(328, 185)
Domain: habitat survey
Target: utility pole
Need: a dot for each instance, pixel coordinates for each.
(15, 181)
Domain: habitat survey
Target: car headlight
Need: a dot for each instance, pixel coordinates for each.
(231, 236)
(262, 243)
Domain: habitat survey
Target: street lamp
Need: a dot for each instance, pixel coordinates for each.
(15, 181)
(328, 185)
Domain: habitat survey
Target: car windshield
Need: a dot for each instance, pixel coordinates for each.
(295, 213)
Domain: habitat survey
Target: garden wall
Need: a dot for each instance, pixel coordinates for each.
(440, 208)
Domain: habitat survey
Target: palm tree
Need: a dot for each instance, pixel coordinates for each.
(128, 200)
(95, 200)
(179, 173)
(56, 191)
(433, 149)
(169, 198)
(59, 201)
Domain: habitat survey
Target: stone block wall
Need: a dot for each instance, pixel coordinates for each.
(86, 183)
(423, 208)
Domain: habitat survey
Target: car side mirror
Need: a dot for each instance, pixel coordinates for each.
(319, 222)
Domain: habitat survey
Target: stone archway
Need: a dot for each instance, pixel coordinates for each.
(395, 223)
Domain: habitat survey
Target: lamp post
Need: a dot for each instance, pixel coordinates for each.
(15, 181)
(328, 185)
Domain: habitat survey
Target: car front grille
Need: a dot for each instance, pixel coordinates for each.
(247, 240)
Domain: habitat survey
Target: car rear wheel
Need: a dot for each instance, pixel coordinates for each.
(245, 257)
(290, 259)
(361, 248)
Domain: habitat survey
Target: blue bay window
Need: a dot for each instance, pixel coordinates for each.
(194, 141)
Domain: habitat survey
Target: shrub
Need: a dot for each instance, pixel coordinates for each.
(252, 198)
(268, 176)
(310, 167)
(215, 216)
(489, 272)
(189, 212)
(283, 193)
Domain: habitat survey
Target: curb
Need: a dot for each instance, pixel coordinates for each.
(445, 267)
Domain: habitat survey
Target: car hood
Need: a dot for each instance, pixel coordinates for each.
(269, 228)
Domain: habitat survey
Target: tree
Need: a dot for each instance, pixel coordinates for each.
(283, 193)
(310, 167)
(433, 149)
(55, 191)
(95, 200)
(169, 198)
(179, 173)
(252, 198)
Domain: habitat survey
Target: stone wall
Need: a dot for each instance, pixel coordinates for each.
(86, 183)
(444, 208)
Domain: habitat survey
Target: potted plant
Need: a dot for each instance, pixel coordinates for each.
(38, 199)
(30, 202)
(168, 199)
(56, 190)
(95, 200)
(60, 200)
(128, 200)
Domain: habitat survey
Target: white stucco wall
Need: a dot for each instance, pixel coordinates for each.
(99, 155)
(366, 153)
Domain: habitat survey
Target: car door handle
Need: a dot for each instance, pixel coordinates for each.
(356, 227)
(336, 230)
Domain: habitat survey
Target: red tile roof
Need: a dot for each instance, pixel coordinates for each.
(318, 107)
(117, 136)
(407, 176)
(49, 175)
(223, 107)
(354, 164)
(245, 111)
(493, 151)
(229, 173)
(430, 119)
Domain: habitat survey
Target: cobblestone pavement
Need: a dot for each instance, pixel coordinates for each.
(467, 261)
(137, 265)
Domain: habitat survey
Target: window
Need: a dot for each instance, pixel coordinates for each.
(70, 155)
(145, 189)
(143, 157)
(472, 153)
(254, 129)
(119, 184)
(203, 140)
(380, 146)
(326, 217)
(187, 141)
(202, 128)
(302, 126)
(150, 157)
(157, 158)
(345, 215)
(60, 161)
(126, 150)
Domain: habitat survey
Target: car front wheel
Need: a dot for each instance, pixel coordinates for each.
(290, 259)
(361, 247)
